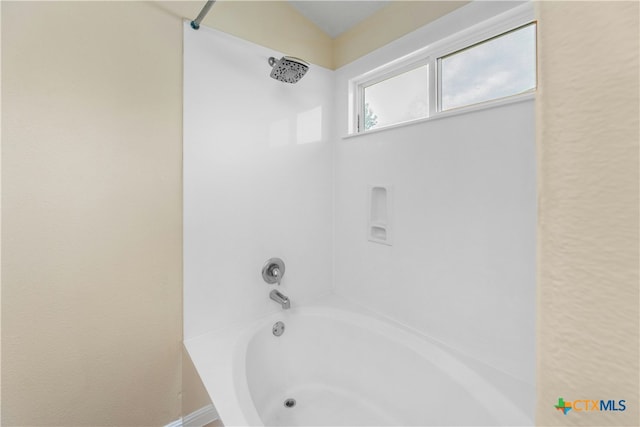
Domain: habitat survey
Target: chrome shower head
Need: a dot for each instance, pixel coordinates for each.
(288, 69)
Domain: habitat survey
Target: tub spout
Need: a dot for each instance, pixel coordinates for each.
(280, 299)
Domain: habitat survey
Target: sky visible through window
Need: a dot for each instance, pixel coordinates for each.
(398, 99)
(500, 67)
(497, 68)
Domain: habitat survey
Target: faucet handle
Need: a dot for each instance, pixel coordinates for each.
(273, 270)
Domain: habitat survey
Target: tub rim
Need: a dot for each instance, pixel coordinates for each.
(502, 409)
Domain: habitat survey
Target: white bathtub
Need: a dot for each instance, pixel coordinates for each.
(342, 368)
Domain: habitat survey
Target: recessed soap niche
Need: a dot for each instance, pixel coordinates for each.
(379, 207)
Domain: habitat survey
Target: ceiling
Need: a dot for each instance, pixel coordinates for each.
(336, 17)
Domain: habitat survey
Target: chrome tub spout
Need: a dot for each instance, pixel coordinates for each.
(280, 299)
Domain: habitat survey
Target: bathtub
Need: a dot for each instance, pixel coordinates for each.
(334, 366)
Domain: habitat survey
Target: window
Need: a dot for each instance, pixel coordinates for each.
(483, 64)
(397, 99)
(499, 67)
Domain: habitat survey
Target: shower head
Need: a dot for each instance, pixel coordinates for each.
(288, 69)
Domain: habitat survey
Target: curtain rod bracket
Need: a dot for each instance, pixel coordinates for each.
(195, 24)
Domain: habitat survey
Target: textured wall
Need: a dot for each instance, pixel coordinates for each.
(587, 116)
(91, 198)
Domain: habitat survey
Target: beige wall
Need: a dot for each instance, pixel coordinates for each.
(277, 25)
(91, 197)
(194, 396)
(587, 130)
(273, 24)
(387, 24)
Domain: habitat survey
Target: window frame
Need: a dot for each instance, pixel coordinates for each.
(438, 68)
(380, 74)
(499, 25)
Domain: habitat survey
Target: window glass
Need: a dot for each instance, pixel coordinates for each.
(499, 67)
(397, 99)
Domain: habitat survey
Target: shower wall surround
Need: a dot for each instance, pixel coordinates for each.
(462, 265)
(267, 173)
(257, 181)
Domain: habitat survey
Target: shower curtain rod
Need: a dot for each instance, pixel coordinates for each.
(195, 24)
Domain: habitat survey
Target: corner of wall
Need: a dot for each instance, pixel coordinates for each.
(266, 23)
(194, 395)
(397, 19)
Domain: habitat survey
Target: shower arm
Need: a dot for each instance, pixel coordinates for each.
(195, 24)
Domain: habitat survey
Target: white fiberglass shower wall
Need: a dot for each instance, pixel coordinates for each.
(461, 269)
(267, 173)
(257, 181)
